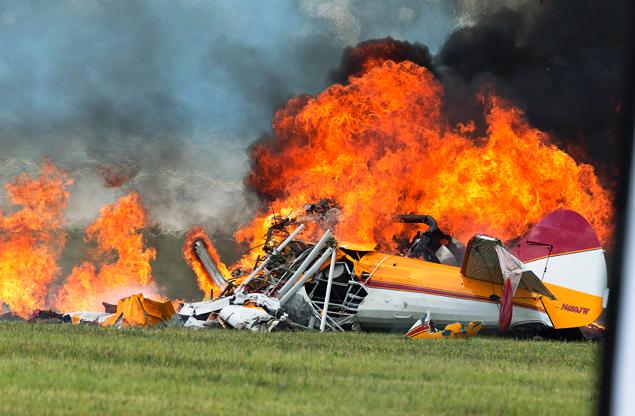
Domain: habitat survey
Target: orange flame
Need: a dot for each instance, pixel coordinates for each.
(380, 146)
(31, 239)
(123, 258)
(205, 282)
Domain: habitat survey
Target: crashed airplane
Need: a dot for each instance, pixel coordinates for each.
(554, 278)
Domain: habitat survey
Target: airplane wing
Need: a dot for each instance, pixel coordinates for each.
(487, 259)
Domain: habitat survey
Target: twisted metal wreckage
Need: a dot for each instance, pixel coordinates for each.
(554, 278)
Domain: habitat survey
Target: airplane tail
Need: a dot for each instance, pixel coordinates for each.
(565, 253)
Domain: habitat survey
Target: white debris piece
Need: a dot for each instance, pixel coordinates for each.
(89, 317)
(205, 307)
(192, 322)
(242, 317)
(272, 305)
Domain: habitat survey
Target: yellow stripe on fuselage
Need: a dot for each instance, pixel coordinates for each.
(413, 275)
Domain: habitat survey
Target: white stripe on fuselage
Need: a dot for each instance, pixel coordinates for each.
(584, 271)
(388, 308)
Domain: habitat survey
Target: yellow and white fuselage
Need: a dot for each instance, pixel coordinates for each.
(400, 290)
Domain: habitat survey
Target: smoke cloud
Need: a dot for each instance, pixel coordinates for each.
(164, 98)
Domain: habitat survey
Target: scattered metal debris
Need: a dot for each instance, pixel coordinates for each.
(6, 314)
(425, 329)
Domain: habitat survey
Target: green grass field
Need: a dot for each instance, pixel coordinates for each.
(62, 369)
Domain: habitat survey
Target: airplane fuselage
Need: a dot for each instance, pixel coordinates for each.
(401, 290)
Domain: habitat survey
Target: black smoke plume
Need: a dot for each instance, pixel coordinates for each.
(564, 63)
(356, 60)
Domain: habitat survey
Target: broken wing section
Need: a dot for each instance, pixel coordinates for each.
(209, 265)
(487, 259)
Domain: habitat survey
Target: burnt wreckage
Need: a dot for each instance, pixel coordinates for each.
(302, 288)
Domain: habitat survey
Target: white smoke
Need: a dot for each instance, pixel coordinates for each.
(340, 16)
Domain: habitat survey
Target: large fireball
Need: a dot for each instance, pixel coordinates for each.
(380, 146)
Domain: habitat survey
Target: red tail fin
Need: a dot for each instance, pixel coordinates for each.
(564, 252)
(561, 232)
